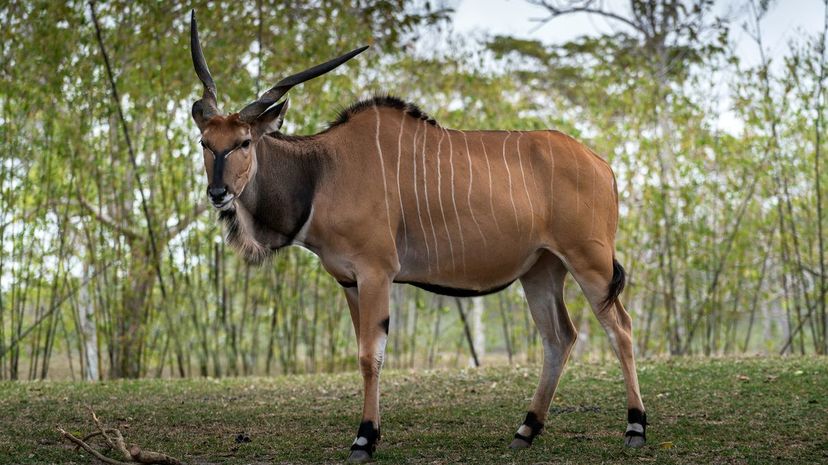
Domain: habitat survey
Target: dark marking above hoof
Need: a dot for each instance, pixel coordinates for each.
(634, 441)
(636, 416)
(360, 456)
(366, 441)
(518, 443)
(384, 324)
(636, 434)
(527, 432)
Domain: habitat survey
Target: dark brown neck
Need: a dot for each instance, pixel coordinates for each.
(280, 195)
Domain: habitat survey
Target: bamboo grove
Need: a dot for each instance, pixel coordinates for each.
(112, 265)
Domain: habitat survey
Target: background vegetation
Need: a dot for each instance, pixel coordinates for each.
(112, 265)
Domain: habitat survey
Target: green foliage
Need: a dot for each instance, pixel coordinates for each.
(721, 231)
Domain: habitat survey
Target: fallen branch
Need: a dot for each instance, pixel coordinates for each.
(115, 440)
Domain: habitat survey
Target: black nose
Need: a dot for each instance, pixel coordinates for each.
(217, 193)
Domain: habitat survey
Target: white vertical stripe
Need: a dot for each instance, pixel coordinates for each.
(577, 174)
(526, 188)
(509, 174)
(592, 206)
(491, 190)
(454, 202)
(384, 181)
(417, 196)
(533, 173)
(403, 117)
(440, 200)
(428, 204)
(468, 195)
(551, 177)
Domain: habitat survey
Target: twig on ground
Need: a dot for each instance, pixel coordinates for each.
(89, 448)
(115, 440)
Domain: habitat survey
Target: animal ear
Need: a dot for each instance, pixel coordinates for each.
(272, 119)
(202, 114)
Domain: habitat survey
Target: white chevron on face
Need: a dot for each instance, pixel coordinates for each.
(454, 203)
(417, 196)
(468, 195)
(509, 174)
(384, 181)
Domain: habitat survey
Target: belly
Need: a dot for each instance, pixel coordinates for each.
(455, 292)
(468, 272)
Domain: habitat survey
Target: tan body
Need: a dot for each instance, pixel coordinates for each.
(468, 210)
(387, 195)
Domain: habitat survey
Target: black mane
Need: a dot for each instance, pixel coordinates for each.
(387, 101)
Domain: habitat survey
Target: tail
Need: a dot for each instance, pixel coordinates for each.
(617, 283)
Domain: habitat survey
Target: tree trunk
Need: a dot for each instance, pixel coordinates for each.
(130, 321)
(467, 330)
(479, 333)
(88, 329)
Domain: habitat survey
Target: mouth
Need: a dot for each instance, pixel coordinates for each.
(224, 203)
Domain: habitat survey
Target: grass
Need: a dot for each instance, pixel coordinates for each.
(756, 410)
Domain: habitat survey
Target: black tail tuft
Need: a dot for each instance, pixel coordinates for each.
(617, 283)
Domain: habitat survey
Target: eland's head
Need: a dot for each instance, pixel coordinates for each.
(229, 142)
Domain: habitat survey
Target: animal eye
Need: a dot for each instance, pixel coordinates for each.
(246, 144)
(203, 145)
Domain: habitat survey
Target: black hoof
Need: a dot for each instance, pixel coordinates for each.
(634, 441)
(360, 456)
(518, 443)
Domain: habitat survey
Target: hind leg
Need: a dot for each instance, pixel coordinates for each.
(594, 273)
(543, 286)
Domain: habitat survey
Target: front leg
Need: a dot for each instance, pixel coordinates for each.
(372, 332)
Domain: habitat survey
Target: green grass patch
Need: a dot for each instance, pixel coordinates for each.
(751, 410)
